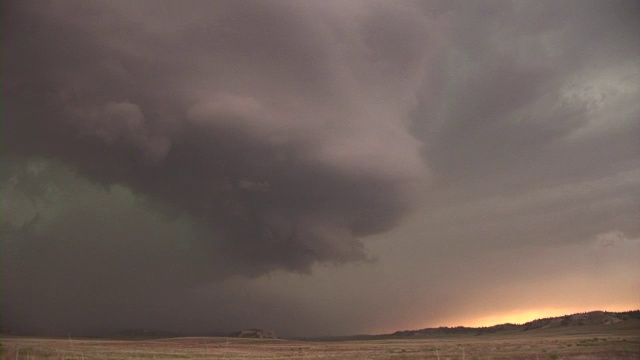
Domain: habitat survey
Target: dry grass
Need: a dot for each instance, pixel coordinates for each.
(532, 346)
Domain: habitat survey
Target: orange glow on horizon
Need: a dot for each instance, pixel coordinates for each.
(517, 317)
(523, 316)
(512, 316)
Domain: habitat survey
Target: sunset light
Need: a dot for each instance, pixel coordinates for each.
(524, 316)
(519, 317)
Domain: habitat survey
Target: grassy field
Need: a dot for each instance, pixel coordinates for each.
(538, 346)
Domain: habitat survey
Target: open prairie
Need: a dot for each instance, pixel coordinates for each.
(622, 344)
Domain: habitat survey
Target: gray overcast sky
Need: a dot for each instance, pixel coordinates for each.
(315, 168)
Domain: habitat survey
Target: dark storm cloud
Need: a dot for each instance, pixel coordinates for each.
(249, 116)
(154, 151)
(77, 258)
(257, 129)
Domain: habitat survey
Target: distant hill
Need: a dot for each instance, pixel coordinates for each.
(575, 322)
(590, 318)
(593, 318)
(256, 334)
(154, 334)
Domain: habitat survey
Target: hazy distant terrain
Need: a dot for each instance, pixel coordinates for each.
(594, 335)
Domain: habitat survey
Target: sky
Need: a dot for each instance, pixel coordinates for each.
(317, 168)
